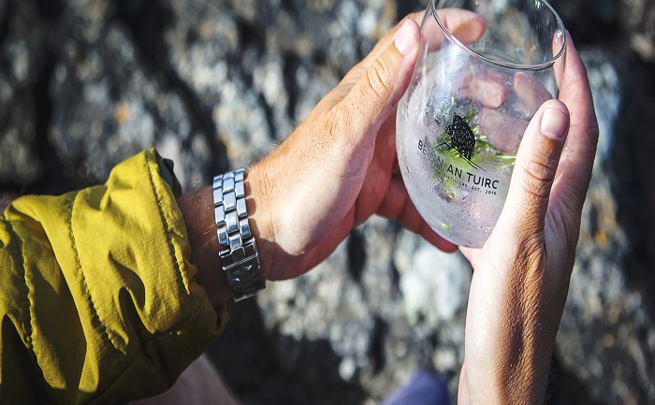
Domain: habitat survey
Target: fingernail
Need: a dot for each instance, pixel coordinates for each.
(405, 40)
(554, 123)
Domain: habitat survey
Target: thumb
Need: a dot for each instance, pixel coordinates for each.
(385, 80)
(536, 164)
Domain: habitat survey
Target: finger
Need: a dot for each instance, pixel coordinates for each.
(397, 206)
(536, 164)
(354, 74)
(389, 37)
(376, 93)
(502, 129)
(530, 90)
(486, 90)
(465, 25)
(472, 255)
(574, 172)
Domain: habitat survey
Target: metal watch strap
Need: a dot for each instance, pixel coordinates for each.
(238, 251)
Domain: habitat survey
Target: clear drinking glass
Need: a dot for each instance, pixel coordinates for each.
(483, 71)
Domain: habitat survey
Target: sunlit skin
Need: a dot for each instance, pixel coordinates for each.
(337, 169)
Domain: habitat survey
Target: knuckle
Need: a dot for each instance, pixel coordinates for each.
(531, 250)
(593, 131)
(379, 79)
(538, 176)
(340, 128)
(340, 122)
(353, 75)
(321, 133)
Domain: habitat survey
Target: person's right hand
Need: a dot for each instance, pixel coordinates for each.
(522, 273)
(336, 169)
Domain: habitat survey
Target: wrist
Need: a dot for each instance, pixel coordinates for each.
(201, 231)
(198, 210)
(501, 386)
(240, 261)
(258, 204)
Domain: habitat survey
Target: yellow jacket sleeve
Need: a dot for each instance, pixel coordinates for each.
(97, 292)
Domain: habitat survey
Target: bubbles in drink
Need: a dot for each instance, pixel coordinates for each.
(469, 102)
(456, 150)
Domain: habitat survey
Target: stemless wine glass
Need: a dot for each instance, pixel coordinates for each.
(484, 69)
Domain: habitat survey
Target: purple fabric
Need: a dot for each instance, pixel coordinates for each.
(424, 388)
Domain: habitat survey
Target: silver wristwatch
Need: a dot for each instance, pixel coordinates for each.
(238, 250)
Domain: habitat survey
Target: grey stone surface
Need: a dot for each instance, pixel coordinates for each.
(21, 55)
(85, 84)
(108, 104)
(607, 328)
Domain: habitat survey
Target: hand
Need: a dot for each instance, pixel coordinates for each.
(332, 173)
(335, 170)
(522, 274)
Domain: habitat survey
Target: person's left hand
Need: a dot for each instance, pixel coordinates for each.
(335, 170)
(521, 275)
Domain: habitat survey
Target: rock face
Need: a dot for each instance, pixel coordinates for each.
(85, 84)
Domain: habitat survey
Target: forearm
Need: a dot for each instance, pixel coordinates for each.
(511, 330)
(522, 382)
(197, 210)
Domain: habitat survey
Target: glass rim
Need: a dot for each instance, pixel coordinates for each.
(507, 65)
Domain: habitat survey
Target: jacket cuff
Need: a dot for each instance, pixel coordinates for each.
(110, 266)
